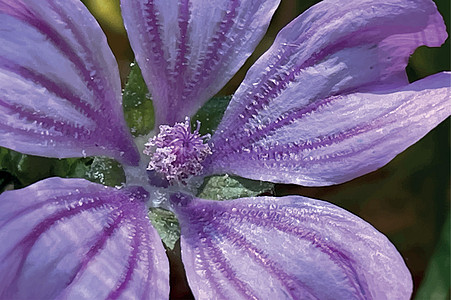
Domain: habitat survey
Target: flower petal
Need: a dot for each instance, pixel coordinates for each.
(60, 92)
(290, 247)
(335, 48)
(189, 49)
(335, 139)
(73, 239)
(332, 49)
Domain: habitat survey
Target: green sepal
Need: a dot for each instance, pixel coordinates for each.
(226, 187)
(210, 114)
(137, 103)
(166, 224)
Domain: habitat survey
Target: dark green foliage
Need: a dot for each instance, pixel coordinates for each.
(167, 225)
(225, 187)
(137, 104)
(22, 170)
(210, 114)
(436, 283)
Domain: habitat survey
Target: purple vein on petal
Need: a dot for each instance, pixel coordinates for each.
(50, 221)
(319, 142)
(90, 121)
(235, 140)
(94, 81)
(273, 81)
(28, 241)
(56, 200)
(194, 58)
(60, 43)
(221, 235)
(101, 240)
(337, 257)
(217, 42)
(282, 153)
(153, 27)
(59, 89)
(119, 242)
(46, 122)
(213, 55)
(58, 130)
(217, 257)
(150, 258)
(132, 262)
(203, 263)
(271, 266)
(183, 48)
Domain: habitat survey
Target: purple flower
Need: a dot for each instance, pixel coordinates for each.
(328, 102)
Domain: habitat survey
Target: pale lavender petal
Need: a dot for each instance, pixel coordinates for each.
(306, 112)
(189, 49)
(60, 92)
(286, 248)
(335, 47)
(334, 139)
(73, 239)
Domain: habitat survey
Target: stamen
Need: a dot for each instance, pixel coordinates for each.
(176, 153)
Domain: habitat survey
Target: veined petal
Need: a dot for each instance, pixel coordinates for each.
(331, 49)
(285, 248)
(60, 92)
(306, 112)
(73, 239)
(189, 49)
(337, 138)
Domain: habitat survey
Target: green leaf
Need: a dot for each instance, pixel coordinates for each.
(29, 169)
(79, 168)
(99, 169)
(137, 104)
(106, 171)
(210, 114)
(167, 225)
(436, 283)
(226, 187)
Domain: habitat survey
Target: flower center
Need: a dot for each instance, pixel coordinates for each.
(176, 153)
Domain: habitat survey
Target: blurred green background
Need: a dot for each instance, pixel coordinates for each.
(407, 200)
